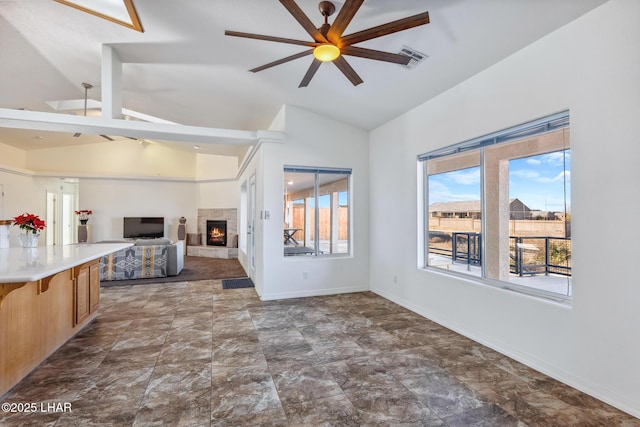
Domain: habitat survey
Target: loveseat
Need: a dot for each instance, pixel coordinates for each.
(147, 258)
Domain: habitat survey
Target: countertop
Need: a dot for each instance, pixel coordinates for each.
(31, 264)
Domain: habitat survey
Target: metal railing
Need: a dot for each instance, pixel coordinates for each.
(540, 255)
(528, 255)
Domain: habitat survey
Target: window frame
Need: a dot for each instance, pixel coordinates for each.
(558, 121)
(317, 171)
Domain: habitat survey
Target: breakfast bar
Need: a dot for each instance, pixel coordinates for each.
(47, 295)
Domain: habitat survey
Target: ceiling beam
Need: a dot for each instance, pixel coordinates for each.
(35, 120)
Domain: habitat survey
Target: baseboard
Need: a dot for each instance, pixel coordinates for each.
(609, 396)
(313, 293)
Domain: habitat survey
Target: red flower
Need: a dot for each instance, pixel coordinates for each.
(83, 214)
(29, 222)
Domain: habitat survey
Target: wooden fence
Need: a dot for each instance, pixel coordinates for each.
(297, 221)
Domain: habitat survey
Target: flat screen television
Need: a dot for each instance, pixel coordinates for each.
(143, 227)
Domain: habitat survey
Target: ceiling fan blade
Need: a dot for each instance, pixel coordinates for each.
(310, 73)
(385, 29)
(346, 14)
(270, 38)
(303, 20)
(346, 69)
(378, 55)
(282, 61)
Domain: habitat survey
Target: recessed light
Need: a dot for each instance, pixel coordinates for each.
(197, 147)
(38, 137)
(290, 182)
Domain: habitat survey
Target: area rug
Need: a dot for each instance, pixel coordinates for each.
(244, 282)
(195, 268)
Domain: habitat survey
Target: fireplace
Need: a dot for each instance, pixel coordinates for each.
(216, 233)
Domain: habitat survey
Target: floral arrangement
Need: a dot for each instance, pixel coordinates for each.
(29, 223)
(84, 214)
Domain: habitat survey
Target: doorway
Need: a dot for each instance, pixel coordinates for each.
(60, 218)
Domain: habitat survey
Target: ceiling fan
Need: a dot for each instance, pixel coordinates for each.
(329, 45)
(86, 87)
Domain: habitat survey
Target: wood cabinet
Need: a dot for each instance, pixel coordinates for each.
(94, 286)
(86, 290)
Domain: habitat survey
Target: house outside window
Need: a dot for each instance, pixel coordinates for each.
(498, 208)
(316, 211)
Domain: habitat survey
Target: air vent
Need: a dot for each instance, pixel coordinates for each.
(416, 57)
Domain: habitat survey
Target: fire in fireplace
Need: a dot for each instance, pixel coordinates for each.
(217, 233)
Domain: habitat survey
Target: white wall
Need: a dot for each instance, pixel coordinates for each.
(592, 67)
(128, 179)
(125, 158)
(111, 200)
(313, 140)
(220, 194)
(209, 166)
(12, 157)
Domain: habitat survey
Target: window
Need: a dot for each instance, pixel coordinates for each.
(498, 208)
(316, 211)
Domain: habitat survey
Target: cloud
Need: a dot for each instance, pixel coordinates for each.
(439, 191)
(560, 177)
(525, 173)
(557, 158)
(464, 177)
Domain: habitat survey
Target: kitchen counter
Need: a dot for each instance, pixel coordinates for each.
(47, 295)
(31, 264)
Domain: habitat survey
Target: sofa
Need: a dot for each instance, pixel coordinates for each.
(146, 259)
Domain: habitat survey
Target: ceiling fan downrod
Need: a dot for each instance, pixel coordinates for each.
(326, 9)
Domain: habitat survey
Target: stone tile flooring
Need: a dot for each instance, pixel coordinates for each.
(192, 354)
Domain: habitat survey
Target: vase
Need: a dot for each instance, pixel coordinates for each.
(82, 233)
(182, 230)
(28, 240)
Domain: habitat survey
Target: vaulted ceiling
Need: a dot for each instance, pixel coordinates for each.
(183, 68)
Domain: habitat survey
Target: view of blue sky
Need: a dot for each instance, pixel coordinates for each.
(538, 181)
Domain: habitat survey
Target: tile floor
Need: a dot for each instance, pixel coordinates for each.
(192, 354)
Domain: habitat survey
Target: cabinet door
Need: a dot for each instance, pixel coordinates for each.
(82, 294)
(94, 286)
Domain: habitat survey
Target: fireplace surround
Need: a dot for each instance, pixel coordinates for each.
(221, 249)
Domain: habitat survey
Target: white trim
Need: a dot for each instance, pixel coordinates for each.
(313, 293)
(16, 171)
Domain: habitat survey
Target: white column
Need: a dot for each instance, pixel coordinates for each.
(111, 83)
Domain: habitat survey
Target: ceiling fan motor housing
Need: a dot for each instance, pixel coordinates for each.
(326, 8)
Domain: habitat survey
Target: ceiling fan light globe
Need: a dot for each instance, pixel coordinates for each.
(326, 52)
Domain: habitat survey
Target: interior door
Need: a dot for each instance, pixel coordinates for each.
(68, 218)
(51, 231)
(251, 226)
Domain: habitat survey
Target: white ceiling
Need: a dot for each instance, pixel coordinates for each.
(185, 70)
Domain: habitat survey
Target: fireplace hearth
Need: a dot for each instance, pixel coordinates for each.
(216, 233)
